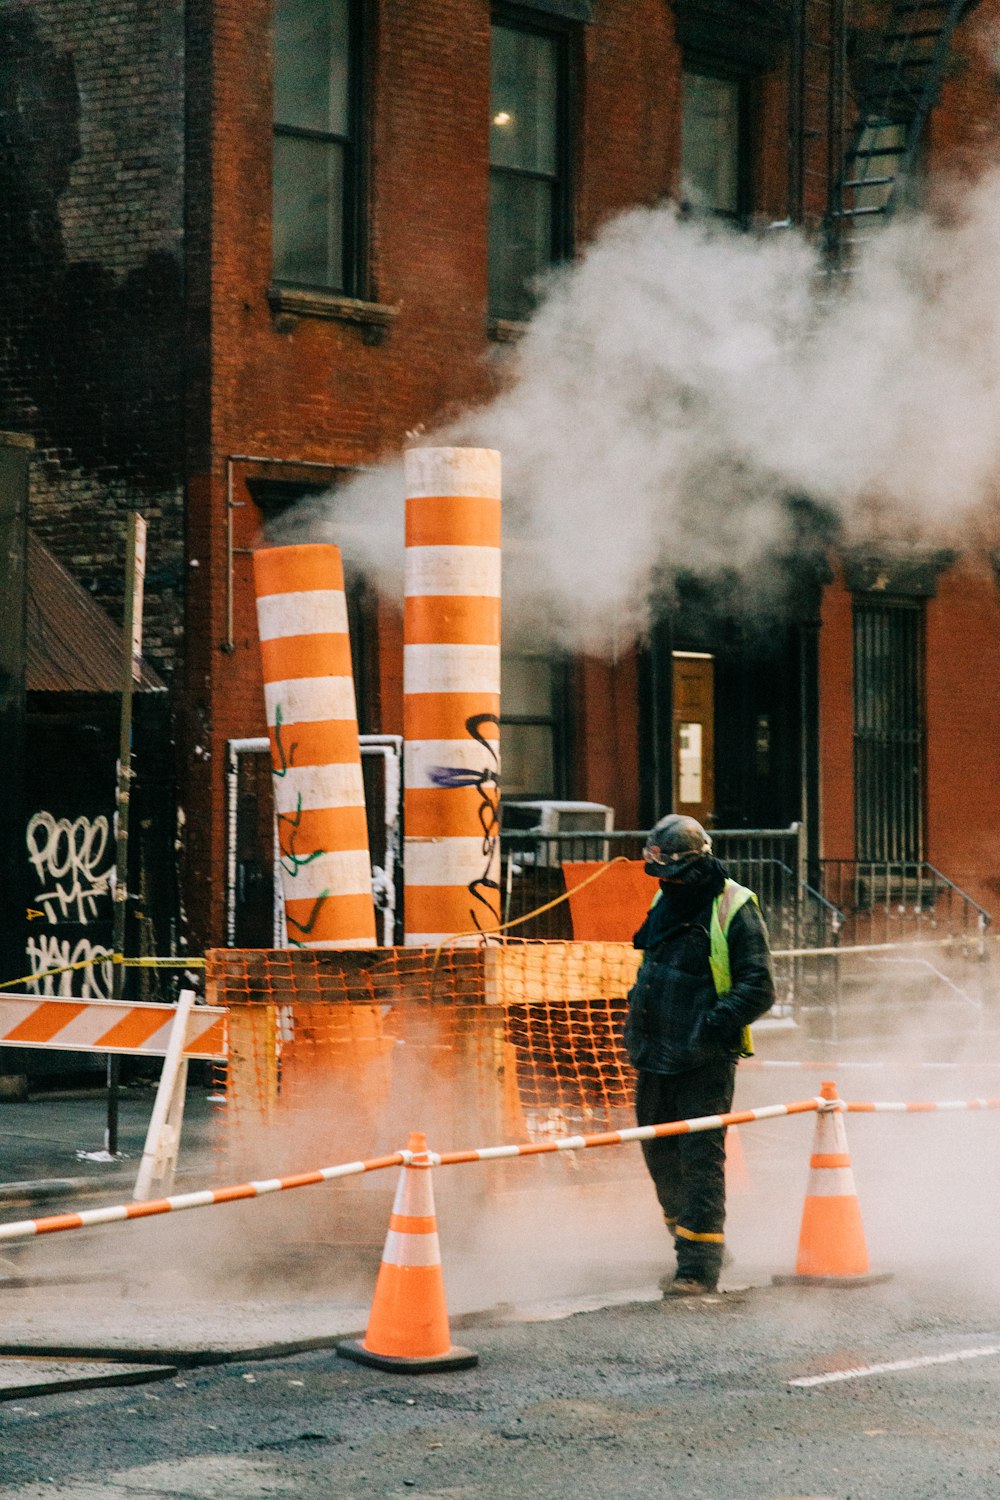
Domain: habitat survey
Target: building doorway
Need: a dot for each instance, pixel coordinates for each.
(693, 674)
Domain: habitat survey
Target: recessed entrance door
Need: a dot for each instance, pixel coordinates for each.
(694, 735)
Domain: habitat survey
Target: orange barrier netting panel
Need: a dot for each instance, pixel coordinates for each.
(247, 1190)
(521, 1042)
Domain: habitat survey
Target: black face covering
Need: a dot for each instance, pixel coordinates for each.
(694, 886)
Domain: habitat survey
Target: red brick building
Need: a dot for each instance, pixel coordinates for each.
(271, 238)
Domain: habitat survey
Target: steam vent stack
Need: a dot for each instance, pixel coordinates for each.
(451, 688)
(315, 756)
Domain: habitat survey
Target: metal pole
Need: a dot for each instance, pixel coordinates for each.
(135, 572)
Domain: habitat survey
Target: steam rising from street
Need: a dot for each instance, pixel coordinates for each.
(681, 382)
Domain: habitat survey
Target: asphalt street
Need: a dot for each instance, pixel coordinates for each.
(701, 1400)
(691, 1400)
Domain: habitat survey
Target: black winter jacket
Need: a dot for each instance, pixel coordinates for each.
(676, 1021)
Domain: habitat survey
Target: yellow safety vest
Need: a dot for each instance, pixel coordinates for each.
(724, 908)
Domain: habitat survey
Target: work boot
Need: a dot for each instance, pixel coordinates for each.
(681, 1286)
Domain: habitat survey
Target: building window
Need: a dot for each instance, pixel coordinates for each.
(714, 144)
(888, 729)
(317, 160)
(529, 178)
(532, 700)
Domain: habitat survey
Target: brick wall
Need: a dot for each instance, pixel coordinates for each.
(963, 748)
(317, 390)
(90, 260)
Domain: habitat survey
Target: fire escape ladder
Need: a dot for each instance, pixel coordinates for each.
(900, 85)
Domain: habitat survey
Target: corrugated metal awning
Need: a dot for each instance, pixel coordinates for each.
(73, 646)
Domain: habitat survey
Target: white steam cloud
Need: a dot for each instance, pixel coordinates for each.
(683, 381)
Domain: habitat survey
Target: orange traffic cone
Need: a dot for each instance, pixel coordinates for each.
(408, 1323)
(832, 1250)
(736, 1162)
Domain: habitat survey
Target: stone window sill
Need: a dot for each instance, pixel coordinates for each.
(288, 304)
(505, 330)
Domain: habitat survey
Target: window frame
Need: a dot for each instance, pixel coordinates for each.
(746, 82)
(565, 36)
(557, 721)
(354, 145)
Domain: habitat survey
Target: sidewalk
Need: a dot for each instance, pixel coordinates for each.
(40, 1139)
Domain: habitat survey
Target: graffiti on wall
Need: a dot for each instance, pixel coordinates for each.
(72, 871)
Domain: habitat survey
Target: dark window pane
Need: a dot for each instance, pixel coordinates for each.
(527, 760)
(526, 686)
(520, 239)
(710, 143)
(308, 212)
(311, 64)
(524, 101)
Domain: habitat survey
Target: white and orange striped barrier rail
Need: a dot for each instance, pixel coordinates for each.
(108, 1026)
(25, 1229)
(259, 1189)
(315, 752)
(920, 1108)
(451, 693)
(870, 1065)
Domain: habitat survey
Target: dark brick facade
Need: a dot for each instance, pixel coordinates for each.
(91, 244)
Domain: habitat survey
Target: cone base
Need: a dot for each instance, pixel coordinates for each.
(864, 1278)
(455, 1358)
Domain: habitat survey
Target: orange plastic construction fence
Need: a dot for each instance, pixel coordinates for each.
(343, 1053)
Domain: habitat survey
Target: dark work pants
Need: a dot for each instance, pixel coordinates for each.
(689, 1171)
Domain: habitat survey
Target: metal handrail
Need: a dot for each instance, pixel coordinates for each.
(987, 920)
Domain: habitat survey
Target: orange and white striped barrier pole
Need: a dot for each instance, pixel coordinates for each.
(408, 1324)
(451, 693)
(832, 1249)
(315, 753)
(26, 1228)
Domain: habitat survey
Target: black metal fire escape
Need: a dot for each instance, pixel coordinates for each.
(870, 164)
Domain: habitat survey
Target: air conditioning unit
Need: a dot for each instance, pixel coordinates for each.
(548, 816)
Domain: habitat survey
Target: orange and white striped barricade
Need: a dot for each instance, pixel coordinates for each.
(175, 1032)
(408, 1323)
(451, 693)
(832, 1248)
(315, 754)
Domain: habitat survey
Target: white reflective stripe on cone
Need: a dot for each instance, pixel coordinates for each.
(469, 473)
(447, 861)
(307, 788)
(831, 1182)
(451, 669)
(312, 612)
(310, 700)
(421, 757)
(411, 1249)
(337, 872)
(433, 572)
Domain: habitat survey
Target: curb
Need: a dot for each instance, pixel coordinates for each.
(81, 1380)
(48, 1189)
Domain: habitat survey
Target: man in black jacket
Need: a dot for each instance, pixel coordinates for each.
(705, 975)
